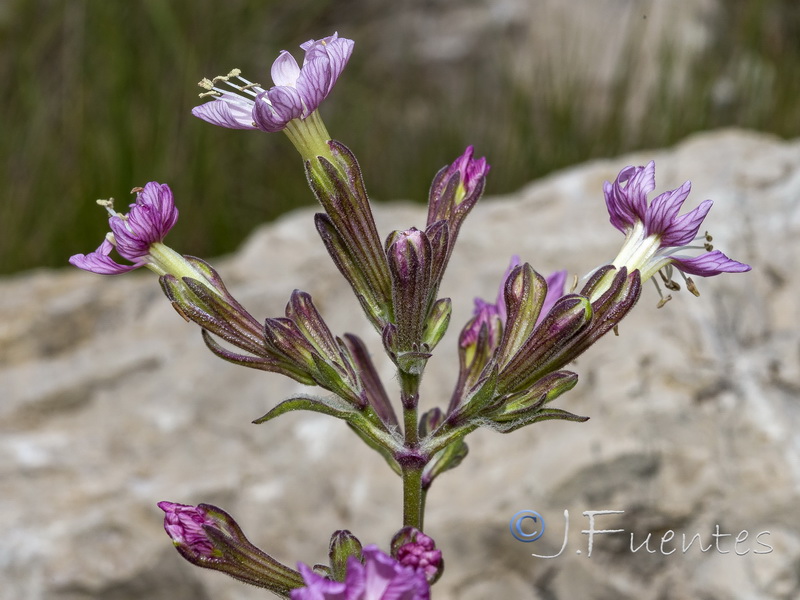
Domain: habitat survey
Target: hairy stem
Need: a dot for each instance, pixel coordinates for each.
(413, 462)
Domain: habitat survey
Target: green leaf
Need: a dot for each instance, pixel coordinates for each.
(327, 406)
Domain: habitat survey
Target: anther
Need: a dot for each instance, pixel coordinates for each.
(669, 283)
(663, 301)
(692, 287)
(109, 206)
(233, 73)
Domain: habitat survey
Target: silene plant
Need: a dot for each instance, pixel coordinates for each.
(513, 352)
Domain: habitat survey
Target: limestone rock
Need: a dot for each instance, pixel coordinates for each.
(110, 403)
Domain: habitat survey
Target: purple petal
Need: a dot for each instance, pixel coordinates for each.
(149, 220)
(472, 171)
(159, 196)
(386, 579)
(285, 70)
(619, 218)
(626, 198)
(314, 83)
(709, 264)
(684, 229)
(335, 50)
(378, 570)
(339, 51)
(128, 244)
(664, 208)
(184, 524)
(226, 113)
(380, 577)
(286, 102)
(641, 183)
(99, 262)
(276, 107)
(316, 48)
(318, 587)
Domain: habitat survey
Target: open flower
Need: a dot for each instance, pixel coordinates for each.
(296, 95)
(380, 577)
(137, 235)
(656, 236)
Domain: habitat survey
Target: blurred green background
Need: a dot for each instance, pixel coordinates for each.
(98, 93)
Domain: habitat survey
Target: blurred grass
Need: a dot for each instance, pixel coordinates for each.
(98, 94)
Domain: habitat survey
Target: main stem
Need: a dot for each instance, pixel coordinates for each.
(412, 462)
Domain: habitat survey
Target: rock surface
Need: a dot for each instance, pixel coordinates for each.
(110, 403)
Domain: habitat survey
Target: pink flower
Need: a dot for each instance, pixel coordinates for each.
(297, 93)
(149, 220)
(380, 577)
(656, 236)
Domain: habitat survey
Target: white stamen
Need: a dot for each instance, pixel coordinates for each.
(109, 206)
(662, 299)
(666, 277)
(248, 88)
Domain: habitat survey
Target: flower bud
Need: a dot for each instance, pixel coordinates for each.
(531, 400)
(569, 317)
(455, 190)
(409, 257)
(349, 232)
(412, 548)
(343, 545)
(208, 537)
